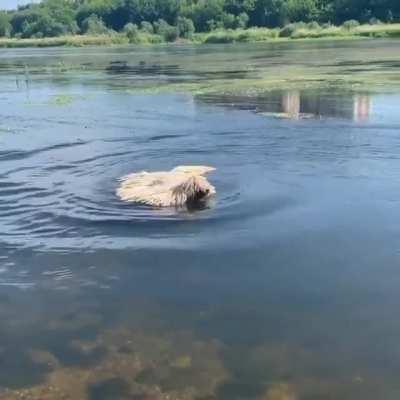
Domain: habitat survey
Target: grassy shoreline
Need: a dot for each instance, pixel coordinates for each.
(300, 32)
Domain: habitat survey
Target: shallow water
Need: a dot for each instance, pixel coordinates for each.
(284, 288)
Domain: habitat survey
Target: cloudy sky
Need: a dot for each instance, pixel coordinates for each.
(10, 4)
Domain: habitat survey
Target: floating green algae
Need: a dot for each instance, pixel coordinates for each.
(61, 100)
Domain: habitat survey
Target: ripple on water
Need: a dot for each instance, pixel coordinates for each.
(70, 193)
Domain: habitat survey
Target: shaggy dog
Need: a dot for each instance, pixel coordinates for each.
(184, 185)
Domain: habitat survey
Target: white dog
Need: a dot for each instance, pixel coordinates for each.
(183, 185)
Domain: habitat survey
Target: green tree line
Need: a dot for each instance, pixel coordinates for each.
(173, 18)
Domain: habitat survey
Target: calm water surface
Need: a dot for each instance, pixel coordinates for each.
(285, 288)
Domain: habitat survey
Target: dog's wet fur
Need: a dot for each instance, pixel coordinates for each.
(182, 186)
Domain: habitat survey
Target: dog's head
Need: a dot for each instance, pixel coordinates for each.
(192, 191)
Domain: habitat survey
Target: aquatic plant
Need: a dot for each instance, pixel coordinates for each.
(135, 364)
(71, 40)
(61, 100)
(239, 35)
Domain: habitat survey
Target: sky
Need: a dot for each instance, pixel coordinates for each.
(12, 4)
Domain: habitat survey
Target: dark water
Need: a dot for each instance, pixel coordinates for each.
(285, 288)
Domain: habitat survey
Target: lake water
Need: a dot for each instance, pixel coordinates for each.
(286, 287)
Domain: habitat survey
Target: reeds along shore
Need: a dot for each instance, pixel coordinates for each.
(290, 32)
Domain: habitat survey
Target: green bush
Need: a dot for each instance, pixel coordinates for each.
(220, 37)
(241, 35)
(205, 14)
(381, 35)
(375, 21)
(93, 25)
(242, 20)
(165, 30)
(146, 27)
(5, 25)
(228, 21)
(313, 25)
(43, 26)
(257, 35)
(213, 25)
(185, 27)
(132, 33)
(350, 24)
(288, 30)
(151, 38)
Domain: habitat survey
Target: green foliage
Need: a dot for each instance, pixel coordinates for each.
(350, 24)
(132, 33)
(228, 21)
(313, 25)
(93, 25)
(185, 27)
(389, 16)
(165, 30)
(241, 35)
(146, 27)
(43, 26)
(5, 25)
(50, 18)
(375, 21)
(109, 11)
(129, 28)
(172, 18)
(205, 14)
(288, 30)
(298, 10)
(242, 20)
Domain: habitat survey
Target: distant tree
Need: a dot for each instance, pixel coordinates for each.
(49, 18)
(56, 17)
(132, 32)
(237, 7)
(21, 18)
(389, 16)
(151, 10)
(111, 12)
(93, 25)
(5, 25)
(298, 10)
(205, 13)
(266, 12)
(228, 21)
(167, 31)
(242, 20)
(185, 27)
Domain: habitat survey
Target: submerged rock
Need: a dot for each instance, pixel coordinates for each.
(183, 185)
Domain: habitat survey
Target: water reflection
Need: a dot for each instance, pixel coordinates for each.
(362, 107)
(296, 104)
